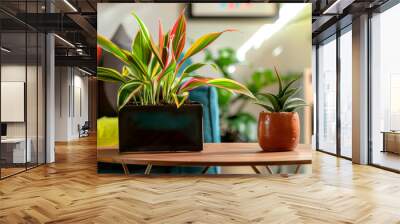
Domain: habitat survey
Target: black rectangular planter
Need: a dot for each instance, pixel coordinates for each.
(160, 128)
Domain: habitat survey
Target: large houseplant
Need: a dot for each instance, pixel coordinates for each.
(237, 124)
(150, 77)
(279, 125)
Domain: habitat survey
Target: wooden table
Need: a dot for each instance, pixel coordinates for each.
(213, 154)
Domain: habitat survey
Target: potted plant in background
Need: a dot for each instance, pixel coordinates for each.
(153, 94)
(237, 124)
(279, 125)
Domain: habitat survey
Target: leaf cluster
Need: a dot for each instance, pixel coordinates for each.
(284, 100)
(150, 75)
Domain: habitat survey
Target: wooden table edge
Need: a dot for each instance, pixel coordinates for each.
(205, 163)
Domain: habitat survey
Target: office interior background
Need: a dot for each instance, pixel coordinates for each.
(48, 69)
(51, 101)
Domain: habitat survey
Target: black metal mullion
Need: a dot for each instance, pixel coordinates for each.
(44, 78)
(26, 87)
(0, 95)
(73, 91)
(338, 95)
(37, 90)
(317, 96)
(45, 94)
(369, 94)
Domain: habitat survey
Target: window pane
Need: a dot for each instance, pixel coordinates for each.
(15, 150)
(385, 85)
(346, 94)
(327, 97)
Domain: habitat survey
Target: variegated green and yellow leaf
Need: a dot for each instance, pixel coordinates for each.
(127, 91)
(112, 48)
(140, 48)
(180, 98)
(223, 83)
(147, 38)
(109, 75)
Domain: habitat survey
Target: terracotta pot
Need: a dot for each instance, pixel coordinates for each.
(278, 131)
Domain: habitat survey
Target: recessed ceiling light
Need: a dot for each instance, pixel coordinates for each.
(64, 40)
(5, 50)
(70, 5)
(84, 71)
(337, 7)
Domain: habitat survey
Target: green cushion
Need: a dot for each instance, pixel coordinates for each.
(107, 132)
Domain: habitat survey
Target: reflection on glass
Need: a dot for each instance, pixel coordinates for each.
(327, 97)
(346, 94)
(385, 89)
(22, 91)
(41, 99)
(31, 99)
(15, 151)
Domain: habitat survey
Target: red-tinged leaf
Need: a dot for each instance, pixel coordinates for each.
(202, 43)
(179, 34)
(178, 22)
(170, 67)
(164, 50)
(99, 54)
(180, 46)
(193, 83)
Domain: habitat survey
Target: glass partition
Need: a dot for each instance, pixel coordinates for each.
(346, 93)
(32, 97)
(22, 77)
(327, 96)
(385, 89)
(15, 151)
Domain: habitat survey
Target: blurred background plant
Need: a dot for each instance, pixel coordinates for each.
(237, 124)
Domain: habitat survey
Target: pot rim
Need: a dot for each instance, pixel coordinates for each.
(165, 105)
(268, 112)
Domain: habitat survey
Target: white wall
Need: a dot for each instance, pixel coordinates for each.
(15, 73)
(294, 38)
(69, 82)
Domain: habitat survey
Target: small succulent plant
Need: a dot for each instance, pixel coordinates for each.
(284, 101)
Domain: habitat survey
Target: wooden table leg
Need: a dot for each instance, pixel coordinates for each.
(148, 169)
(125, 167)
(269, 170)
(255, 169)
(205, 170)
(297, 169)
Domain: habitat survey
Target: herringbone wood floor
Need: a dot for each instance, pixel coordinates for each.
(70, 191)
